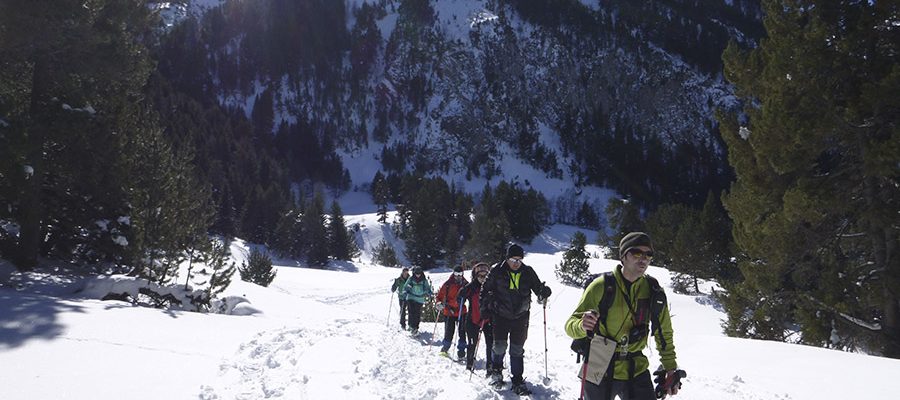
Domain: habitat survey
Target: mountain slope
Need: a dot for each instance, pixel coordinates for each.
(613, 95)
(329, 333)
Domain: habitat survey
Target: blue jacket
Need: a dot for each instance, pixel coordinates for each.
(416, 289)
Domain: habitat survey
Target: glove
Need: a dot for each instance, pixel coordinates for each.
(546, 292)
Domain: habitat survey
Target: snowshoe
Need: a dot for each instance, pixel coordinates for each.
(444, 354)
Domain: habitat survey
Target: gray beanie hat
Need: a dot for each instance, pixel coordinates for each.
(634, 239)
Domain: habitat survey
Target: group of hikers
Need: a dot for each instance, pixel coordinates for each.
(610, 325)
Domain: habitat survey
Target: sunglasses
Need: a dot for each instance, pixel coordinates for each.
(515, 260)
(457, 274)
(637, 253)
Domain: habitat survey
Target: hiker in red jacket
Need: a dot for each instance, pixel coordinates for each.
(475, 323)
(447, 301)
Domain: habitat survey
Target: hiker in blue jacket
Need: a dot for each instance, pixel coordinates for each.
(416, 289)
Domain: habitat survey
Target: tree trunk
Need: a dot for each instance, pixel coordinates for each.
(31, 197)
(885, 247)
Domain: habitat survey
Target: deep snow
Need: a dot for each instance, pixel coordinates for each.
(327, 334)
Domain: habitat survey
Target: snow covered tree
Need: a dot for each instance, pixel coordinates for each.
(573, 269)
(257, 269)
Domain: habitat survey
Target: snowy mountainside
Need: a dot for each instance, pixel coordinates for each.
(333, 333)
(461, 86)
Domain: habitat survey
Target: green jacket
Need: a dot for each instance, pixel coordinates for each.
(619, 322)
(398, 283)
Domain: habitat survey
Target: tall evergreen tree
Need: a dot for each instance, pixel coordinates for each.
(490, 231)
(340, 240)
(526, 211)
(624, 217)
(70, 79)
(380, 195)
(426, 217)
(170, 210)
(816, 196)
(315, 233)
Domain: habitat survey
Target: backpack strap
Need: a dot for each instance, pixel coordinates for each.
(658, 301)
(609, 295)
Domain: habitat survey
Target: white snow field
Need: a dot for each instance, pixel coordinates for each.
(326, 334)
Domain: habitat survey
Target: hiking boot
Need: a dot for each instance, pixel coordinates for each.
(461, 355)
(414, 331)
(496, 377)
(444, 354)
(520, 389)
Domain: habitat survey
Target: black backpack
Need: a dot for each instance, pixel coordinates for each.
(658, 300)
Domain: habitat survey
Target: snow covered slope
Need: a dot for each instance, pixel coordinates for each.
(328, 334)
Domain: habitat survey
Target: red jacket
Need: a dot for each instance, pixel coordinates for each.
(472, 292)
(448, 294)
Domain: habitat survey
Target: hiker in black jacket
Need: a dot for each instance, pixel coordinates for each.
(506, 300)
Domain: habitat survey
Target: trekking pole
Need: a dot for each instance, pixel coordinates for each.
(434, 331)
(544, 303)
(475, 352)
(391, 305)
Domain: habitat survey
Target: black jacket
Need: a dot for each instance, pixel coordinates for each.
(500, 297)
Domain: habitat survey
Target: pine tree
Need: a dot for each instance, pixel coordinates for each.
(340, 239)
(385, 255)
(257, 269)
(70, 79)
(587, 217)
(426, 220)
(815, 201)
(490, 231)
(315, 233)
(380, 195)
(573, 269)
(526, 211)
(220, 270)
(624, 217)
(285, 241)
(170, 211)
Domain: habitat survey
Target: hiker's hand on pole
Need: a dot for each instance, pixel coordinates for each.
(589, 320)
(670, 377)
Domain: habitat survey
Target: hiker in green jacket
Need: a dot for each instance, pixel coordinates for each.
(627, 324)
(398, 283)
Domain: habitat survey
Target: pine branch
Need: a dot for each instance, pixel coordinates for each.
(870, 326)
